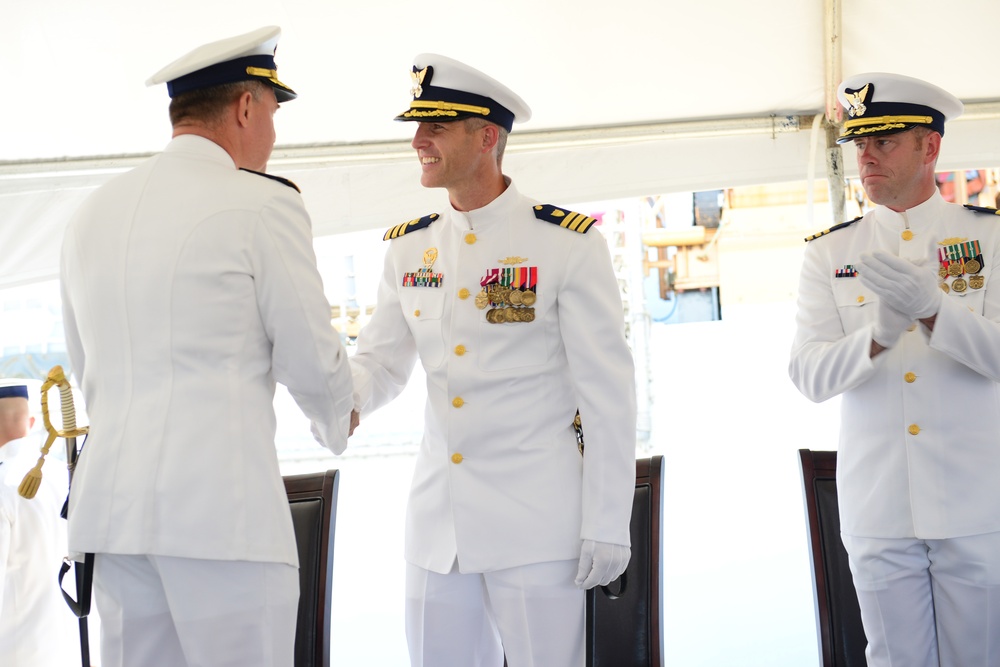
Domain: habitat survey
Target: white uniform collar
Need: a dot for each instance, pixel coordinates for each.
(920, 216)
(198, 145)
(495, 210)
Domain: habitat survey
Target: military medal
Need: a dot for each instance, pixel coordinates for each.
(510, 291)
(488, 281)
(945, 288)
(943, 272)
(482, 299)
(962, 257)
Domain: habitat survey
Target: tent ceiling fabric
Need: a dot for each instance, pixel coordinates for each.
(585, 69)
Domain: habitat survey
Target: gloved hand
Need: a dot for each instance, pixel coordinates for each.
(909, 288)
(889, 325)
(601, 563)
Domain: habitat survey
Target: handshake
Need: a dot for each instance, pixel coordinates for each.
(907, 292)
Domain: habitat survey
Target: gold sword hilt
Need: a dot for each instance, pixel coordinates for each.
(33, 479)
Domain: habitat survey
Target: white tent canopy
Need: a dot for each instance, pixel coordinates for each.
(630, 98)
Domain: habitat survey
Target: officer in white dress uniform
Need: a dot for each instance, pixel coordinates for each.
(189, 288)
(36, 627)
(898, 312)
(513, 310)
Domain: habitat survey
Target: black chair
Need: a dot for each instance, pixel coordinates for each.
(838, 618)
(313, 501)
(624, 619)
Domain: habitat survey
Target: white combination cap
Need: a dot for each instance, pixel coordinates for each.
(882, 103)
(445, 89)
(247, 57)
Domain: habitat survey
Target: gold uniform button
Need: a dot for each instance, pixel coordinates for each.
(910, 377)
(456, 458)
(907, 235)
(463, 293)
(470, 238)
(861, 299)
(459, 350)
(914, 429)
(912, 327)
(458, 402)
(416, 313)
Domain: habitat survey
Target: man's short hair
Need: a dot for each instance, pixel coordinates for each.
(473, 124)
(208, 105)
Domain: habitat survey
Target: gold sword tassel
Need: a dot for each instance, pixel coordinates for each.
(33, 479)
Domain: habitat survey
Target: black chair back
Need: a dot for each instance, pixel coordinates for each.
(623, 626)
(313, 502)
(838, 617)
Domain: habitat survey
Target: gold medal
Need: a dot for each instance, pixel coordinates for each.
(945, 288)
(482, 299)
(955, 269)
(973, 266)
(515, 297)
(491, 315)
(959, 285)
(529, 315)
(528, 298)
(977, 282)
(943, 271)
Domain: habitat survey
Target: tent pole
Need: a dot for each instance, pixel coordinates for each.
(832, 67)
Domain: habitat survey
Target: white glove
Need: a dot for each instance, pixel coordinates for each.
(909, 288)
(601, 563)
(889, 325)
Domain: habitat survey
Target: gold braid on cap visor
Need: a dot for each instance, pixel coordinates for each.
(269, 74)
(882, 123)
(443, 109)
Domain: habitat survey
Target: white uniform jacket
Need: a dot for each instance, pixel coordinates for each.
(919, 450)
(499, 480)
(189, 288)
(37, 629)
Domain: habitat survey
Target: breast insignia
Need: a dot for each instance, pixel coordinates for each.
(578, 222)
(411, 226)
(982, 209)
(283, 181)
(833, 229)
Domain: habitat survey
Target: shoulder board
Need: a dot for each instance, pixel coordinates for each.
(833, 229)
(578, 222)
(982, 209)
(283, 181)
(411, 226)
